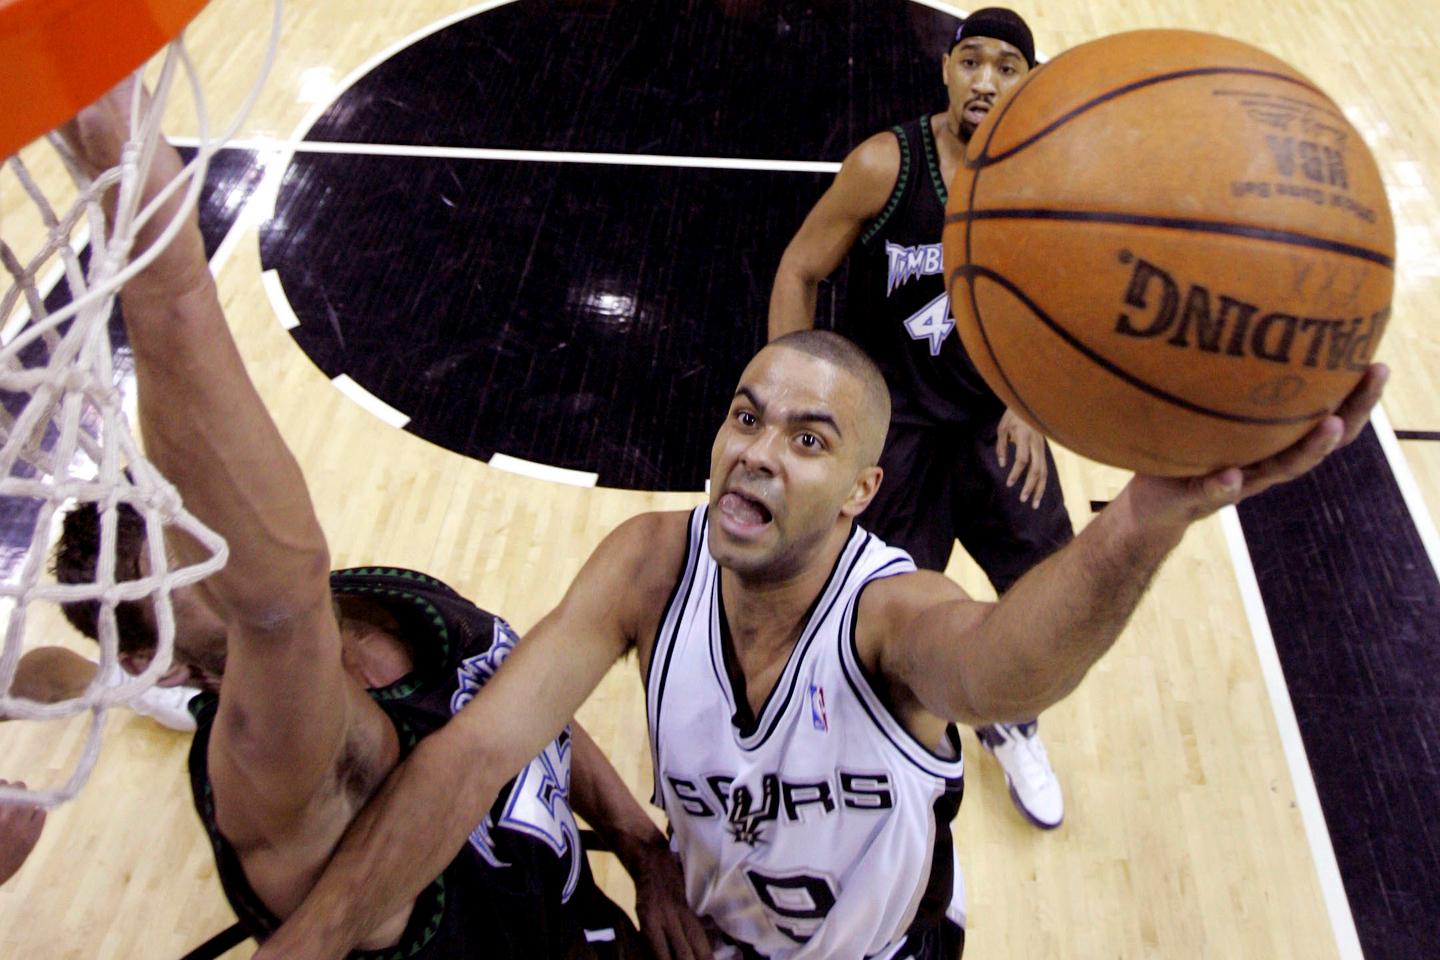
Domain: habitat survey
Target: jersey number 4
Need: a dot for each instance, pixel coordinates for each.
(932, 322)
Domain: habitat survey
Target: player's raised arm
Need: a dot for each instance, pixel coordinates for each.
(205, 428)
(980, 663)
(392, 851)
(857, 194)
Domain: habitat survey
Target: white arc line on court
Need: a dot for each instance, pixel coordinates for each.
(543, 471)
(279, 303)
(1307, 799)
(369, 401)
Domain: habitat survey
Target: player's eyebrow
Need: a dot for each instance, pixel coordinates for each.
(975, 46)
(819, 417)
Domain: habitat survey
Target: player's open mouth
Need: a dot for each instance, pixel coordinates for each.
(976, 111)
(743, 514)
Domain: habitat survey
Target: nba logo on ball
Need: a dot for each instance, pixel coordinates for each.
(1169, 251)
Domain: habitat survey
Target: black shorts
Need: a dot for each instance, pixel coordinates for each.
(944, 483)
(608, 932)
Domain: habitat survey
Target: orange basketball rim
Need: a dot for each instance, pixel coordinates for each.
(59, 56)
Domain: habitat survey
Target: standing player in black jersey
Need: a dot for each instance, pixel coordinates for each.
(327, 681)
(947, 461)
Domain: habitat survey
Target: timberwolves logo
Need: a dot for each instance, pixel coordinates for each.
(909, 263)
(538, 806)
(474, 672)
(932, 322)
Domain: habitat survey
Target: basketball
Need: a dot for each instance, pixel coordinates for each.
(1170, 252)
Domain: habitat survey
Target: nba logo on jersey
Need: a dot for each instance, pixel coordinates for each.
(817, 709)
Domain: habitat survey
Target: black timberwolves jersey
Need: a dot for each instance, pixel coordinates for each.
(505, 895)
(898, 310)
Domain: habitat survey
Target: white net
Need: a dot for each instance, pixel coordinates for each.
(64, 436)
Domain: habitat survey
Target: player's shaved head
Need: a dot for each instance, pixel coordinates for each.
(874, 413)
(795, 460)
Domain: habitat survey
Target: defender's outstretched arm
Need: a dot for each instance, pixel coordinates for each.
(286, 700)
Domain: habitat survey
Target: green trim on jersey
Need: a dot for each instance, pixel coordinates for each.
(932, 157)
(407, 685)
(901, 183)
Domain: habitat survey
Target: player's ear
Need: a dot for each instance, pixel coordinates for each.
(867, 484)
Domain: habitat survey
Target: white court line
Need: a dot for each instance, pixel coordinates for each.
(279, 303)
(290, 147)
(943, 8)
(543, 471)
(1409, 489)
(272, 171)
(369, 401)
(1307, 799)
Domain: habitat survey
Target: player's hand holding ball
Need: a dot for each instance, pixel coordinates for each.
(1170, 252)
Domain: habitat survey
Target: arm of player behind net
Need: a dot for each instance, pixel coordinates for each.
(1008, 661)
(208, 432)
(857, 195)
(602, 798)
(414, 825)
(20, 828)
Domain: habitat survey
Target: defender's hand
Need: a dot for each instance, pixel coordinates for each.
(1181, 501)
(96, 138)
(666, 920)
(1029, 457)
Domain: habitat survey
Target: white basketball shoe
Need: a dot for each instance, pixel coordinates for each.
(1033, 787)
(167, 706)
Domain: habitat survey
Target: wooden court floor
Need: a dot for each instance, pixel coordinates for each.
(1184, 834)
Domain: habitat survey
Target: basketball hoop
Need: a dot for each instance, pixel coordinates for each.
(64, 437)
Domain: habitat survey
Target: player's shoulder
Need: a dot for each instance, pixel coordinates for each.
(889, 604)
(650, 548)
(653, 526)
(867, 177)
(642, 560)
(875, 161)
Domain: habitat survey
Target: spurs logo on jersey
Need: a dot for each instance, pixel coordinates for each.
(745, 818)
(539, 802)
(820, 831)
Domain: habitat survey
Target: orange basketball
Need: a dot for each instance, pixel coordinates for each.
(1170, 252)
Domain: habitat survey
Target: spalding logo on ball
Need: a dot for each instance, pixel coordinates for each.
(1170, 252)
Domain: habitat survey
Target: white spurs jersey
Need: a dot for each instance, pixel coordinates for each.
(822, 832)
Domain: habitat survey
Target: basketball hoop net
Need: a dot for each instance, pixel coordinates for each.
(64, 435)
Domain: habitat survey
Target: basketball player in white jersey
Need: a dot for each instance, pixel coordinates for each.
(802, 680)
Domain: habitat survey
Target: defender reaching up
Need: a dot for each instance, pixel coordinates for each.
(326, 680)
